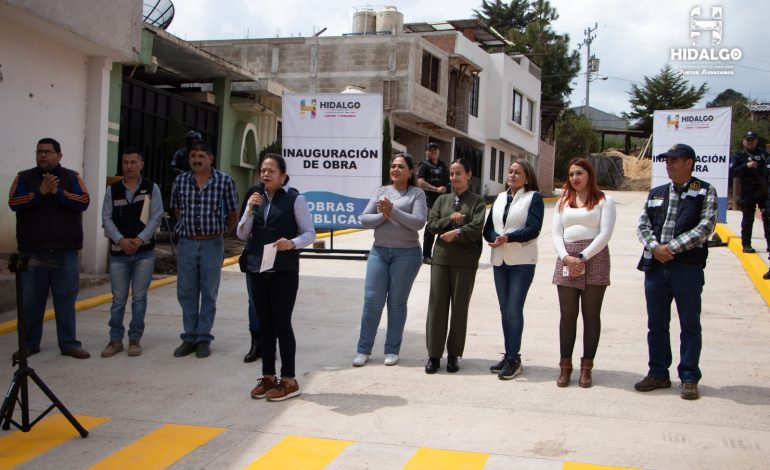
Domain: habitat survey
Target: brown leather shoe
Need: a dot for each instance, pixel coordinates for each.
(77, 353)
(112, 348)
(565, 365)
(264, 385)
(134, 348)
(651, 383)
(585, 372)
(286, 388)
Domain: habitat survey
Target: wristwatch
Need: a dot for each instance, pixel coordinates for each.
(581, 257)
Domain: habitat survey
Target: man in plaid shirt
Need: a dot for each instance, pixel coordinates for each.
(674, 227)
(205, 202)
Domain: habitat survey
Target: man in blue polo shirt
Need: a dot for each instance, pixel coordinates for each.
(205, 202)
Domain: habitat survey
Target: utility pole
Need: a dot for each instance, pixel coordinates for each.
(591, 63)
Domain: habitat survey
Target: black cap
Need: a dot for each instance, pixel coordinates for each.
(431, 145)
(679, 150)
(193, 135)
(750, 135)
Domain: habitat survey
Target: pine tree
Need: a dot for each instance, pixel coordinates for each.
(667, 90)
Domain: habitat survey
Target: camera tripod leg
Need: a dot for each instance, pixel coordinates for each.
(9, 403)
(63, 409)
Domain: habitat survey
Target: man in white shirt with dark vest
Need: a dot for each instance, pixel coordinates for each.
(131, 215)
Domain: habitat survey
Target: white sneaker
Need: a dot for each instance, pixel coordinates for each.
(360, 359)
(391, 359)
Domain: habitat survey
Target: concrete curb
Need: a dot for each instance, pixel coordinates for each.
(752, 263)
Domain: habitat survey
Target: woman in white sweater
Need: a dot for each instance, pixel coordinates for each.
(512, 228)
(582, 227)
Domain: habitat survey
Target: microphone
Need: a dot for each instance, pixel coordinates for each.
(259, 188)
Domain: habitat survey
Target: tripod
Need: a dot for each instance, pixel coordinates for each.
(18, 392)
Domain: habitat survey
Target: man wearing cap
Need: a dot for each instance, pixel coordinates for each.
(674, 227)
(748, 165)
(433, 178)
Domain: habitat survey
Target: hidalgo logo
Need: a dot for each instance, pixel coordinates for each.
(305, 108)
(699, 27)
(672, 121)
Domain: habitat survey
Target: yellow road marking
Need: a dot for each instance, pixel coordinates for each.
(301, 453)
(428, 459)
(160, 448)
(19, 447)
(751, 262)
(589, 466)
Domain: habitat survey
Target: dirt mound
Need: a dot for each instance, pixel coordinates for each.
(637, 174)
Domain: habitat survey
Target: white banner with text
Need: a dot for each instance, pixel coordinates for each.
(332, 143)
(707, 131)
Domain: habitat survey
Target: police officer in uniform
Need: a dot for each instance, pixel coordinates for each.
(748, 165)
(433, 178)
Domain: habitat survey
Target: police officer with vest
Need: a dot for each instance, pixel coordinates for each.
(674, 227)
(131, 215)
(433, 178)
(748, 165)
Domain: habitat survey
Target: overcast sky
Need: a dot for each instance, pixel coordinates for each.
(633, 38)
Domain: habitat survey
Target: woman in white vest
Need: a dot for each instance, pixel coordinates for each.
(512, 228)
(583, 221)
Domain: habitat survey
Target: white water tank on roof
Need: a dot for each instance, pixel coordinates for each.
(364, 21)
(390, 20)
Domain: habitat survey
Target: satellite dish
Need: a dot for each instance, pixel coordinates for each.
(158, 13)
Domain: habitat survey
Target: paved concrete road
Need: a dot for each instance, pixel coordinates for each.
(392, 417)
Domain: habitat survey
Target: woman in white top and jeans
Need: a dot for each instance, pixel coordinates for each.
(582, 227)
(512, 228)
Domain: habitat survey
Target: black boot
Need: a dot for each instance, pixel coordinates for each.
(253, 353)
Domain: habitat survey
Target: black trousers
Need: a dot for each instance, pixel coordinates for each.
(274, 295)
(748, 205)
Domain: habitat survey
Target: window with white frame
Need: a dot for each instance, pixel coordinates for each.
(530, 114)
(516, 114)
(474, 97)
(501, 167)
(492, 164)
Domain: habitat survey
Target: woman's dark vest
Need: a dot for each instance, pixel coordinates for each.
(687, 217)
(280, 223)
(49, 225)
(126, 214)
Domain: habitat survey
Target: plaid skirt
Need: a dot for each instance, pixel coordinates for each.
(597, 268)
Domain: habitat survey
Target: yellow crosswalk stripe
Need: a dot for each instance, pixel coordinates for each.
(19, 447)
(590, 466)
(160, 448)
(300, 453)
(429, 459)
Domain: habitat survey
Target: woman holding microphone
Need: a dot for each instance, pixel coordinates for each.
(279, 216)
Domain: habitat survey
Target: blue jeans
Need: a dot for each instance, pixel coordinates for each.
(253, 320)
(63, 281)
(390, 273)
(683, 284)
(199, 268)
(512, 284)
(133, 271)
